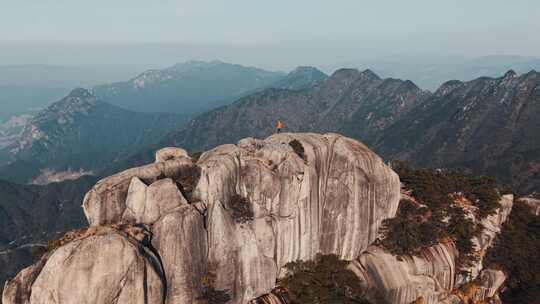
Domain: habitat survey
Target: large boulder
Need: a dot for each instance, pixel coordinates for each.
(103, 265)
(227, 224)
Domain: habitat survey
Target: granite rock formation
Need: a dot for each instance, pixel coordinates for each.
(433, 275)
(172, 229)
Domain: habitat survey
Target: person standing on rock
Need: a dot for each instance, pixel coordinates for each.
(279, 126)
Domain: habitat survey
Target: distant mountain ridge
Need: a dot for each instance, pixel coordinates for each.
(303, 77)
(487, 124)
(31, 215)
(187, 88)
(82, 132)
(332, 105)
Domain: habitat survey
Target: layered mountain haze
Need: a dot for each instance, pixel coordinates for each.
(11, 129)
(81, 132)
(360, 103)
(187, 88)
(486, 125)
(32, 215)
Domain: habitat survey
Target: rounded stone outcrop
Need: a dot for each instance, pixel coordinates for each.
(229, 223)
(104, 265)
(105, 203)
(170, 153)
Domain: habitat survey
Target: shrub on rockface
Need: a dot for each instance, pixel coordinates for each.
(210, 294)
(436, 217)
(516, 251)
(298, 148)
(324, 280)
(187, 181)
(240, 209)
(195, 156)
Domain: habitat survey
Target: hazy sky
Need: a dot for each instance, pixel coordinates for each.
(278, 30)
(253, 21)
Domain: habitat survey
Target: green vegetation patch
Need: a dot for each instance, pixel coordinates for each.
(435, 217)
(516, 251)
(298, 148)
(241, 209)
(324, 280)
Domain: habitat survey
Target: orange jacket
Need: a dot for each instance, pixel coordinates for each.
(279, 125)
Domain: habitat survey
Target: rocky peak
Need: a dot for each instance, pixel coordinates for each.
(308, 71)
(302, 77)
(344, 78)
(369, 74)
(80, 93)
(228, 223)
(510, 74)
(77, 101)
(345, 74)
(448, 87)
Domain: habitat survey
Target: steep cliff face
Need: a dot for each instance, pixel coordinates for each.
(433, 275)
(225, 225)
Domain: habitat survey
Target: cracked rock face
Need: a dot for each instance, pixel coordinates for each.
(329, 198)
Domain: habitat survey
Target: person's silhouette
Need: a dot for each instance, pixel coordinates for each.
(279, 126)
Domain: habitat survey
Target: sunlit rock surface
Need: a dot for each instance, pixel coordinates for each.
(329, 198)
(102, 265)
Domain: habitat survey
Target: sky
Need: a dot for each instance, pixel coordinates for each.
(254, 21)
(264, 32)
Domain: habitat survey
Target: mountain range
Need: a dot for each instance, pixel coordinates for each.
(81, 132)
(487, 125)
(186, 88)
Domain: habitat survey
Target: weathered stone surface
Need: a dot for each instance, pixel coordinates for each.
(492, 227)
(491, 281)
(483, 290)
(276, 296)
(105, 203)
(18, 290)
(332, 201)
(135, 201)
(433, 274)
(170, 153)
(405, 279)
(180, 241)
(147, 205)
(330, 198)
(107, 266)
